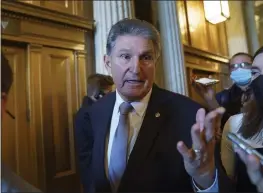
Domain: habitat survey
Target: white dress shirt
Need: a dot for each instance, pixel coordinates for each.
(135, 120)
(227, 147)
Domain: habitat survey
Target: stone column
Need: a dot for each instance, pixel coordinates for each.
(172, 50)
(252, 34)
(106, 13)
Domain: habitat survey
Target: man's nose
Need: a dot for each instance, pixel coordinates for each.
(135, 65)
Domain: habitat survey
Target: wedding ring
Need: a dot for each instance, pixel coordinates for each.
(197, 150)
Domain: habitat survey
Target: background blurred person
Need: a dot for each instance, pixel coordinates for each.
(98, 86)
(249, 126)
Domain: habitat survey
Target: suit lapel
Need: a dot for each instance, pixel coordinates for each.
(154, 119)
(101, 129)
(152, 123)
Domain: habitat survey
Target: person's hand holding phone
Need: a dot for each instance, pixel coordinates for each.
(254, 168)
(206, 92)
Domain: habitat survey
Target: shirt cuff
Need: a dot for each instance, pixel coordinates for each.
(212, 188)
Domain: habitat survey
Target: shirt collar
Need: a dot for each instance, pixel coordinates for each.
(139, 106)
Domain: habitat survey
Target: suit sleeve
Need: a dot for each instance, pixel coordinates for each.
(225, 184)
(222, 182)
(227, 151)
(86, 102)
(84, 144)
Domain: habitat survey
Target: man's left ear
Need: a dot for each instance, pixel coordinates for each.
(107, 63)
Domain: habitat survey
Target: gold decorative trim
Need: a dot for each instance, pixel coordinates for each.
(21, 10)
(81, 53)
(22, 17)
(206, 55)
(198, 67)
(35, 47)
(47, 42)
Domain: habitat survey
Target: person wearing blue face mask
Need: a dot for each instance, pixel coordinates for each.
(245, 169)
(230, 99)
(241, 76)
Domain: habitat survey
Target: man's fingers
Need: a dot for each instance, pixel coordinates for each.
(200, 118)
(211, 122)
(218, 130)
(197, 140)
(220, 111)
(185, 152)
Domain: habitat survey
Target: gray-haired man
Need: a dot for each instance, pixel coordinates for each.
(130, 140)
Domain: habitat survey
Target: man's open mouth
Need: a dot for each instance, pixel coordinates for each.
(135, 81)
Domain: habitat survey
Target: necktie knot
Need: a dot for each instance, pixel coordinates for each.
(125, 108)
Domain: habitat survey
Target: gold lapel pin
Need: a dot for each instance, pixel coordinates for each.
(157, 114)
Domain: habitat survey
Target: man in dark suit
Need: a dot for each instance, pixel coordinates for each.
(135, 139)
(98, 86)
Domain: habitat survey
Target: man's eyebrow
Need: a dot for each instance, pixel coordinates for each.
(148, 52)
(142, 53)
(124, 50)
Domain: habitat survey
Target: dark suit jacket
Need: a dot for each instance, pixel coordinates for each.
(87, 102)
(257, 87)
(154, 165)
(230, 99)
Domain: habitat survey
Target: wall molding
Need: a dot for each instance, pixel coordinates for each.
(26, 11)
(206, 55)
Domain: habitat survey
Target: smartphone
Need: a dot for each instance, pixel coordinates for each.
(244, 146)
(207, 81)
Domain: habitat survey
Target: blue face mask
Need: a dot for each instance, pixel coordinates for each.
(241, 76)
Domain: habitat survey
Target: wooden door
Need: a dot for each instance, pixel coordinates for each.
(59, 104)
(39, 144)
(16, 143)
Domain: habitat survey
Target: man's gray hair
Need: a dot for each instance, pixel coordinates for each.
(134, 27)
